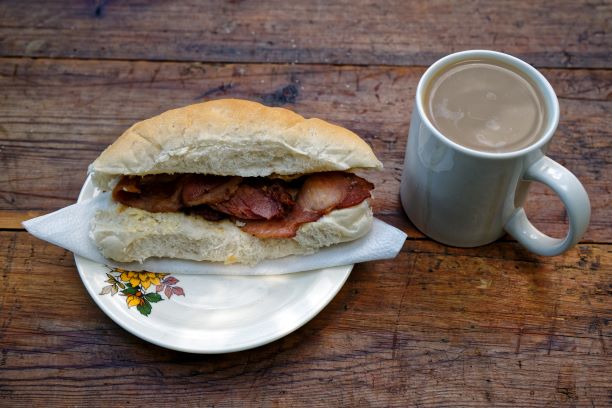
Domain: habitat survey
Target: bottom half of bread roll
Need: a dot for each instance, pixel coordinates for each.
(127, 234)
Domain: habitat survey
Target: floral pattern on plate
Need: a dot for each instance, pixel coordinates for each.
(135, 285)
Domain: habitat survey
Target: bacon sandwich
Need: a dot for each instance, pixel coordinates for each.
(231, 181)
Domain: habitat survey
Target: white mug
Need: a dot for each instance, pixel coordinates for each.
(466, 198)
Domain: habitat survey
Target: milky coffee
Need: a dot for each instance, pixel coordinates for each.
(485, 105)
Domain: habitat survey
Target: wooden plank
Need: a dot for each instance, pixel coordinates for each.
(392, 32)
(437, 327)
(57, 115)
(13, 219)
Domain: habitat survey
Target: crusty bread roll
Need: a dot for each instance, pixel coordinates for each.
(225, 137)
(231, 137)
(131, 234)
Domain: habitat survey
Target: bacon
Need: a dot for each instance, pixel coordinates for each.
(323, 192)
(256, 202)
(205, 212)
(357, 191)
(282, 228)
(207, 189)
(150, 193)
(320, 194)
(269, 208)
(128, 184)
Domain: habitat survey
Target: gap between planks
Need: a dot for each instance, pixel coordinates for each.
(270, 62)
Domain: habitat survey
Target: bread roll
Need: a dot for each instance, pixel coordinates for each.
(130, 234)
(231, 137)
(227, 137)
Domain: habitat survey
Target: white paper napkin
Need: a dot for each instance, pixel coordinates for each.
(69, 228)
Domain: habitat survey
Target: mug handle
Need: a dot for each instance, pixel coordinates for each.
(574, 197)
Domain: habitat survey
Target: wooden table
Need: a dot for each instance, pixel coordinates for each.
(437, 326)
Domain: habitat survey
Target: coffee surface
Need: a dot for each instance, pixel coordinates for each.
(485, 106)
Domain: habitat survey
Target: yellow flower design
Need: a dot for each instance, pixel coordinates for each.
(143, 278)
(135, 300)
(134, 286)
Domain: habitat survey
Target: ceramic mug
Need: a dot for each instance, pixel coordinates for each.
(465, 197)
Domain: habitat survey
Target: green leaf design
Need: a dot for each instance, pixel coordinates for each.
(153, 297)
(145, 309)
(116, 285)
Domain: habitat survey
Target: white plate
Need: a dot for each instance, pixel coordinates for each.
(215, 314)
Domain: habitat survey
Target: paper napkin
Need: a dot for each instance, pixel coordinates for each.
(69, 228)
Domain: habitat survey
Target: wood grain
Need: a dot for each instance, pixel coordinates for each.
(392, 32)
(435, 327)
(57, 115)
(13, 219)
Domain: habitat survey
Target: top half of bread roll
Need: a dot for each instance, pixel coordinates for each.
(231, 137)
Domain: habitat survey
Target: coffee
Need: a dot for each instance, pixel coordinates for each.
(485, 105)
